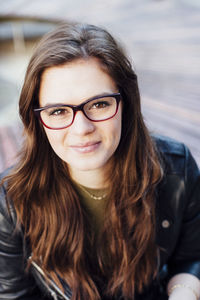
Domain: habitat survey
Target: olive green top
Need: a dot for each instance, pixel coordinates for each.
(95, 208)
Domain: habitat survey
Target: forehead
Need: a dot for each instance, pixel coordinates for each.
(75, 82)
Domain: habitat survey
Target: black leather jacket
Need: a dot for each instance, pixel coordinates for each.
(178, 231)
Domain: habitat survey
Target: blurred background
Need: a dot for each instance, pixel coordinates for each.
(162, 38)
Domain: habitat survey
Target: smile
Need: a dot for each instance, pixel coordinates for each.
(86, 148)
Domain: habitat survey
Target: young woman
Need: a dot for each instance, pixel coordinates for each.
(96, 208)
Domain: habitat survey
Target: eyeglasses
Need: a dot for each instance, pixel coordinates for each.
(96, 109)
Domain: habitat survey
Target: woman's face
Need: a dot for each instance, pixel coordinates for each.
(85, 145)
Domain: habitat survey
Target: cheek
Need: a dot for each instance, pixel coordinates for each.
(118, 133)
(112, 130)
(55, 138)
(118, 125)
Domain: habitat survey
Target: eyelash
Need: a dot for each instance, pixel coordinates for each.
(101, 103)
(53, 112)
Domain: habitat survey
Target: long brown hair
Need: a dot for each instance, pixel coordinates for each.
(45, 200)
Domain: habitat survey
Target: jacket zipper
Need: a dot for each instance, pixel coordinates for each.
(55, 287)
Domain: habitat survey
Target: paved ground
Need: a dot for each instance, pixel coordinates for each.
(161, 36)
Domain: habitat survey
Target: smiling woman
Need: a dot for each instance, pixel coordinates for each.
(96, 207)
(83, 145)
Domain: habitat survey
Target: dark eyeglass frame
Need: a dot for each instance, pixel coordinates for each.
(77, 108)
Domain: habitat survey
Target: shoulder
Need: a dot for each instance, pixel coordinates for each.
(168, 145)
(175, 156)
(7, 211)
(181, 175)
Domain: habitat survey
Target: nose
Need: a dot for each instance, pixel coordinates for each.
(81, 124)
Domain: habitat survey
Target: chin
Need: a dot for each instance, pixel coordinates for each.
(88, 166)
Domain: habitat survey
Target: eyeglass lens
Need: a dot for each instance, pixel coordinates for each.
(95, 110)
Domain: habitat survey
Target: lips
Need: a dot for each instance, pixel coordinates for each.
(86, 147)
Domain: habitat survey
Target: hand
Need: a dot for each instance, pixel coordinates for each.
(182, 293)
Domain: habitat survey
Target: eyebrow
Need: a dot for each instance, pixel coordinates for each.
(88, 99)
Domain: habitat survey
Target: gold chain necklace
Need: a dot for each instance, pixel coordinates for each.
(93, 196)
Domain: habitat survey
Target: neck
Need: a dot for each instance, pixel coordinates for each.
(94, 179)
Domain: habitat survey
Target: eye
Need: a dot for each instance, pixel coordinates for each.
(100, 104)
(58, 111)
